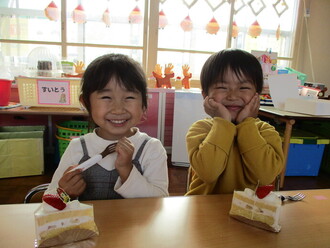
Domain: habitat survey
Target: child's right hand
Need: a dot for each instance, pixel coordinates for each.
(72, 182)
(215, 109)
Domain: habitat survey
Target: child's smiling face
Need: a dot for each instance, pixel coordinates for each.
(116, 110)
(233, 92)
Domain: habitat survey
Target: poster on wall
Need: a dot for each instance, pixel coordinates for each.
(268, 61)
(53, 92)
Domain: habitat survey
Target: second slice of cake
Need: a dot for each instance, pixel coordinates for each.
(262, 213)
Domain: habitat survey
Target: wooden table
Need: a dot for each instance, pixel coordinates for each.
(289, 118)
(194, 221)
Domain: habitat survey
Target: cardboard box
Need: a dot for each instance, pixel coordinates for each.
(308, 106)
(21, 151)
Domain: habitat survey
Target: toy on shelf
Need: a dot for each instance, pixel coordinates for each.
(78, 70)
(187, 75)
(163, 82)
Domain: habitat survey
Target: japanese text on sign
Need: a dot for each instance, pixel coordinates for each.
(53, 92)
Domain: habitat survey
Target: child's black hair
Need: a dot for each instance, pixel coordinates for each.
(239, 61)
(128, 73)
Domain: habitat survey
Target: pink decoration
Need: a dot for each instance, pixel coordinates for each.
(51, 12)
(212, 27)
(254, 30)
(162, 19)
(135, 16)
(106, 18)
(187, 24)
(234, 33)
(78, 15)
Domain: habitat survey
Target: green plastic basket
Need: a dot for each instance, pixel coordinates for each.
(67, 130)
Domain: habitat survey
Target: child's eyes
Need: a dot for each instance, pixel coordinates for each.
(245, 88)
(221, 87)
(105, 97)
(130, 97)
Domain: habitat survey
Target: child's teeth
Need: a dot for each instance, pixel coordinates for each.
(117, 121)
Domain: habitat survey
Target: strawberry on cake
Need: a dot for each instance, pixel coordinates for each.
(61, 221)
(260, 208)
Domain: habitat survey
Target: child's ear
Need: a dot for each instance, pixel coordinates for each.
(204, 94)
(81, 100)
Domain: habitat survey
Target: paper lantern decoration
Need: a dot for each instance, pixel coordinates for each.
(235, 30)
(135, 16)
(51, 12)
(78, 15)
(254, 30)
(212, 27)
(186, 24)
(162, 20)
(278, 32)
(106, 18)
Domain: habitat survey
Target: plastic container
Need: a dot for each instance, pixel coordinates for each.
(5, 89)
(21, 151)
(301, 76)
(305, 153)
(67, 130)
(42, 62)
(30, 96)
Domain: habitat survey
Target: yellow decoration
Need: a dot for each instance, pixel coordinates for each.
(254, 30)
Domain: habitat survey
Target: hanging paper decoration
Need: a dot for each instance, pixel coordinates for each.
(256, 7)
(78, 15)
(235, 30)
(106, 18)
(254, 30)
(280, 9)
(212, 27)
(135, 16)
(186, 24)
(278, 32)
(162, 20)
(51, 12)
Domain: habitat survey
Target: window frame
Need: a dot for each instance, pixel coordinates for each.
(150, 37)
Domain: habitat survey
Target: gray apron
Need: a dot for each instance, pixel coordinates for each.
(99, 181)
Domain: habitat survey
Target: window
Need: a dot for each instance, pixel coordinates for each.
(107, 28)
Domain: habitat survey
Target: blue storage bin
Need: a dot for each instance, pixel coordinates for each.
(305, 153)
(304, 159)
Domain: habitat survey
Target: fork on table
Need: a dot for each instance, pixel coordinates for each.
(296, 197)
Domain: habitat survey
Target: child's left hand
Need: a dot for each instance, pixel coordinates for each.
(123, 163)
(250, 110)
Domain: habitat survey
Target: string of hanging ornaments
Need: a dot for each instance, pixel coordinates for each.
(213, 26)
(106, 18)
(186, 24)
(51, 11)
(280, 7)
(256, 7)
(135, 17)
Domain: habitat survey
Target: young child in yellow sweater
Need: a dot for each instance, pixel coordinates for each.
(233, 149)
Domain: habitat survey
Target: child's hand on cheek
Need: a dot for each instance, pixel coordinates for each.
(250, 110)
(123, 164)
(215, 109)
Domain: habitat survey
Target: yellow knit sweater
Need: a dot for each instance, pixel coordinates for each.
(225, 157)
